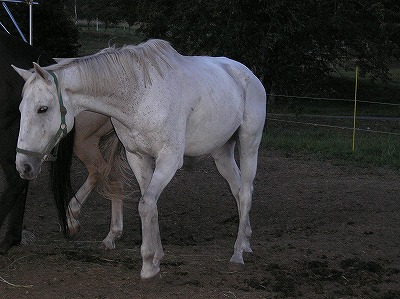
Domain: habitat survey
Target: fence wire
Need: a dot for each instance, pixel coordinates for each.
(337, 117)
(331, 126)
(330, 99)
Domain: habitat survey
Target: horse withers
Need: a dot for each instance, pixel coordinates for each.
(163, 106)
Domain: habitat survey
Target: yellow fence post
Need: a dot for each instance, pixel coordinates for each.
(355, 110)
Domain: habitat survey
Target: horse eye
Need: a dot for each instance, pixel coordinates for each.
(42, 109)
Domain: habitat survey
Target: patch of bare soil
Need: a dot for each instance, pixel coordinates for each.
(319, 231)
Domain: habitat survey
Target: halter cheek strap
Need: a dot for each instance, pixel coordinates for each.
(48, 154)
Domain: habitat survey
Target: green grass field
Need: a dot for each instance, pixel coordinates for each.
(371, 149)
(378, 142)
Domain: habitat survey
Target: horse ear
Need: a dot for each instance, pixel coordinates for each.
(23, 73)
(41, 72)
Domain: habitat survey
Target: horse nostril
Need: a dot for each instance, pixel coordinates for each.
(27, 168)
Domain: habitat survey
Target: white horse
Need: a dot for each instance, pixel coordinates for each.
(163, 106)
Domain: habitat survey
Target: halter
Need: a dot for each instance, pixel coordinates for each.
(47, 154)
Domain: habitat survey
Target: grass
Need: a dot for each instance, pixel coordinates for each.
(373, 149)
(377, 149)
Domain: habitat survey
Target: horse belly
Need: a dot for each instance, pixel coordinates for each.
(204, 135)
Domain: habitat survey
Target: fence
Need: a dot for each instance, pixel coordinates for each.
(340, 122)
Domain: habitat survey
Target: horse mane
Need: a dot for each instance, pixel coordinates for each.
(112, 65)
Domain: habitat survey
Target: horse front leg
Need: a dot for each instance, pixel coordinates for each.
(76, 203)
(151, 249)
(86, 148)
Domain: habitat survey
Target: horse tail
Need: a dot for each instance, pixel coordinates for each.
(117, 181)
(60, 176)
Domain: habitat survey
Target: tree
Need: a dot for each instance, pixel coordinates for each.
(292, 45)
(109, 12)
(128, 11)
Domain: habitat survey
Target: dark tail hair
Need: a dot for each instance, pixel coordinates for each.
(60, 177)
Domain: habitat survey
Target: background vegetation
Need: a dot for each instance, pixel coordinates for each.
(302, 48)
(293, 46)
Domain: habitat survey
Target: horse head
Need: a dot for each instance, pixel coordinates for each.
(44, 120)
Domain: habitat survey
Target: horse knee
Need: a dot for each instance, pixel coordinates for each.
(245, 194)
(147, 207)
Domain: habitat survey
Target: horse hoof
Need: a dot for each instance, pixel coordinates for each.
(237, 258)
(150, 274)
(248, 249)
(107, 245)
(74, 228)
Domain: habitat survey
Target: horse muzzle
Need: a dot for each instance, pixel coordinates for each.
(28, 167)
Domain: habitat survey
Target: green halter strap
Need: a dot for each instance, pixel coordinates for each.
(48, 154)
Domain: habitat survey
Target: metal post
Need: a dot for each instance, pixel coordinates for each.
(13, 20)
(355, 111)
(30, 3)
(30, 22)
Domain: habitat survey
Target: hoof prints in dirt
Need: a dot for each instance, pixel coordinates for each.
(352, 278)
(90, 256)
(349, 278)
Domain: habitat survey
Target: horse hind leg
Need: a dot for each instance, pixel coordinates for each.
(116, 226)
(249, 141)
(225, 161)
(227, 167)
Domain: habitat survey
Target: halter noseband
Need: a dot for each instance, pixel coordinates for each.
(48, 154)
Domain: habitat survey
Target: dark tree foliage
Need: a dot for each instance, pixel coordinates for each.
(128, 11)
(292, 45)
(53, 30)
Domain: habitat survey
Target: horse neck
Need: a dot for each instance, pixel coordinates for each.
(102, 100)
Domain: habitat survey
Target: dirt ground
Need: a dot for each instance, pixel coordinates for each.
(321, 229)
